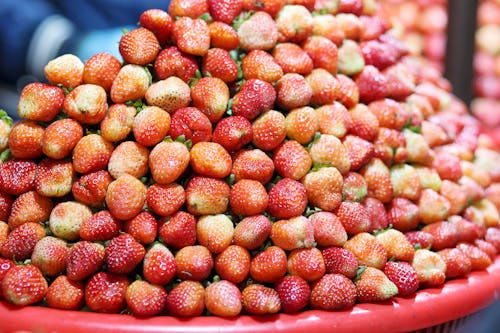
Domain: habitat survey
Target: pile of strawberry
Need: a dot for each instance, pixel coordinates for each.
(248, 157)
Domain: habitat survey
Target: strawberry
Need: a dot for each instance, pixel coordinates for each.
(40, 102)
(123, 253)
(293, 91)
(65, 294)
(445, 234)
(402, 214)
(105, 292)
(307, 263)
(390, 146)
(376, 211)
(351, 6)
(457, 263)
(324, 86)
(223, 36)
(473, 191)
(233, 133)
(190, 8)
(223, 299)
(302, 124)
(272, 7)
(339, 261)
(66, 218)
(5, 205)
(211, 96)
(368, 250)
(259, 32)
(406, 182)
(430, 268)
(25, 140)
(360, 151)
(255, 97)
(86, 103)
(54, 178)
(329, 150)
(145, 299)
(492, 236)
(328, 229)
(324, 188)
(363, 123)
(50, 255)
(294, 23)
(378, 54)
(432, 207)
(429, 178)
(333, 292)
(24, 285)
(125, 197)
(178, 230)
(292, 160)
(478, 258)
(143, 228)
(377, 176)
(29, 207)
(259, 64)
(372, 84)
(403, 275)
(210, 159)
(396, 244)
(102, 226)
(252, 164)
(233, 264)
(60, 137)
(191, 35)
(469, 169)
(372, 285)
(350, 57)
(207, 196)
(158, 22)
(350, 25)
(173, 62)
(295, 233)
(400, 80)
(323, 52)
(292, 59)
(269, 130)
(191, 123)
(309, 4)
(252, 232)
(288, 198)
(420, 239)
(219, 64)
(389, 113)
(487, 248)
(333, 119)
(91, 154)
(20, 242)
(354, 188)
(259, 300)
(91, 188)
(248, 197)
(84, 259)
(165, 200)
(467, 231)
(326, 25)
(294, 293)
(448, 166)
(215, 232)
(434, 134)
(169, 94)
(269, 265)
(354, 217)
(167, 161)
(139, 46)
(193, 263)
(129, 157)
(101, 69)
(130, 84)
(66, 69)
(186, 299)
(17, 176)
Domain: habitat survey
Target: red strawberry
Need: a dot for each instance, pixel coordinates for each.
(211, 96)
(50, 255)
(91, 188)
(457, 263)
(190, 8)
(333, 119)
(420, 239)
(259, 32)
(145, 299)
(130, 84)
(478, 258)
(84, 259)
(29, 207)
(5, 205)
(333, 292)
(191, 35)
(293, 92)
(105, 292)
(430, 268)
(102, 226)
(178, 230)
(401, 81)
(123, 253)
(324, 188)
(402, 214)
(269, 265)
(354, 217)
(368, 250)
(340, 261)
(91, 154)
(165, 200)
(467, 231)
(448, 166)
(354, 188)
(272, 7)
(129, 157)
(169, 94)
(191, 123)
(376, 211)
(492, 236)
(406, 182)
(323, 52)
(379, 54)
(294, 293)
(233, 264)
(324, 87)
(302, 124)
(294, 23)
(210, 159)
(297, 232)
(328, 229)
(66, 69)
(292, 160)
(403, 275)
(255, 96)
(390, 114)
(186, 299)
(223, 36)
(25, 140)
(288, 198)
(372, 84)
(488, 248)
(125, 197)
(252, 232)
(292, 59)
(173, 62)
(329, 150)
(396, 244)
(60, 137)
(233, 133)
(101, 69)
(326, 25)
(351, 6)
(223, 299)
(40, 102)
(373, 285)
(306, 263)
(259, 300)
(65, 294)
(87, 103)
(252, 164)
(363, 123)
(445, 234)
(159, 265)
(21, 241)
(377, 177)
(17, 176)
(259, 64)
(193, 263)
(348, 92)
(248, 197)
(218, 63)
(159, 22)
(167, 161)
(24, 285)
(207, 196)
(54, 178)
(360, 151)
(215, 232)
(139, 46)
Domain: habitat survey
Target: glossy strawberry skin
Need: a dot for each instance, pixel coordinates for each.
(24, 285)
(294, 293)
(123, 253)
(100, 286)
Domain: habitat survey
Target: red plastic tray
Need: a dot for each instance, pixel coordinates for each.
(429, 307)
